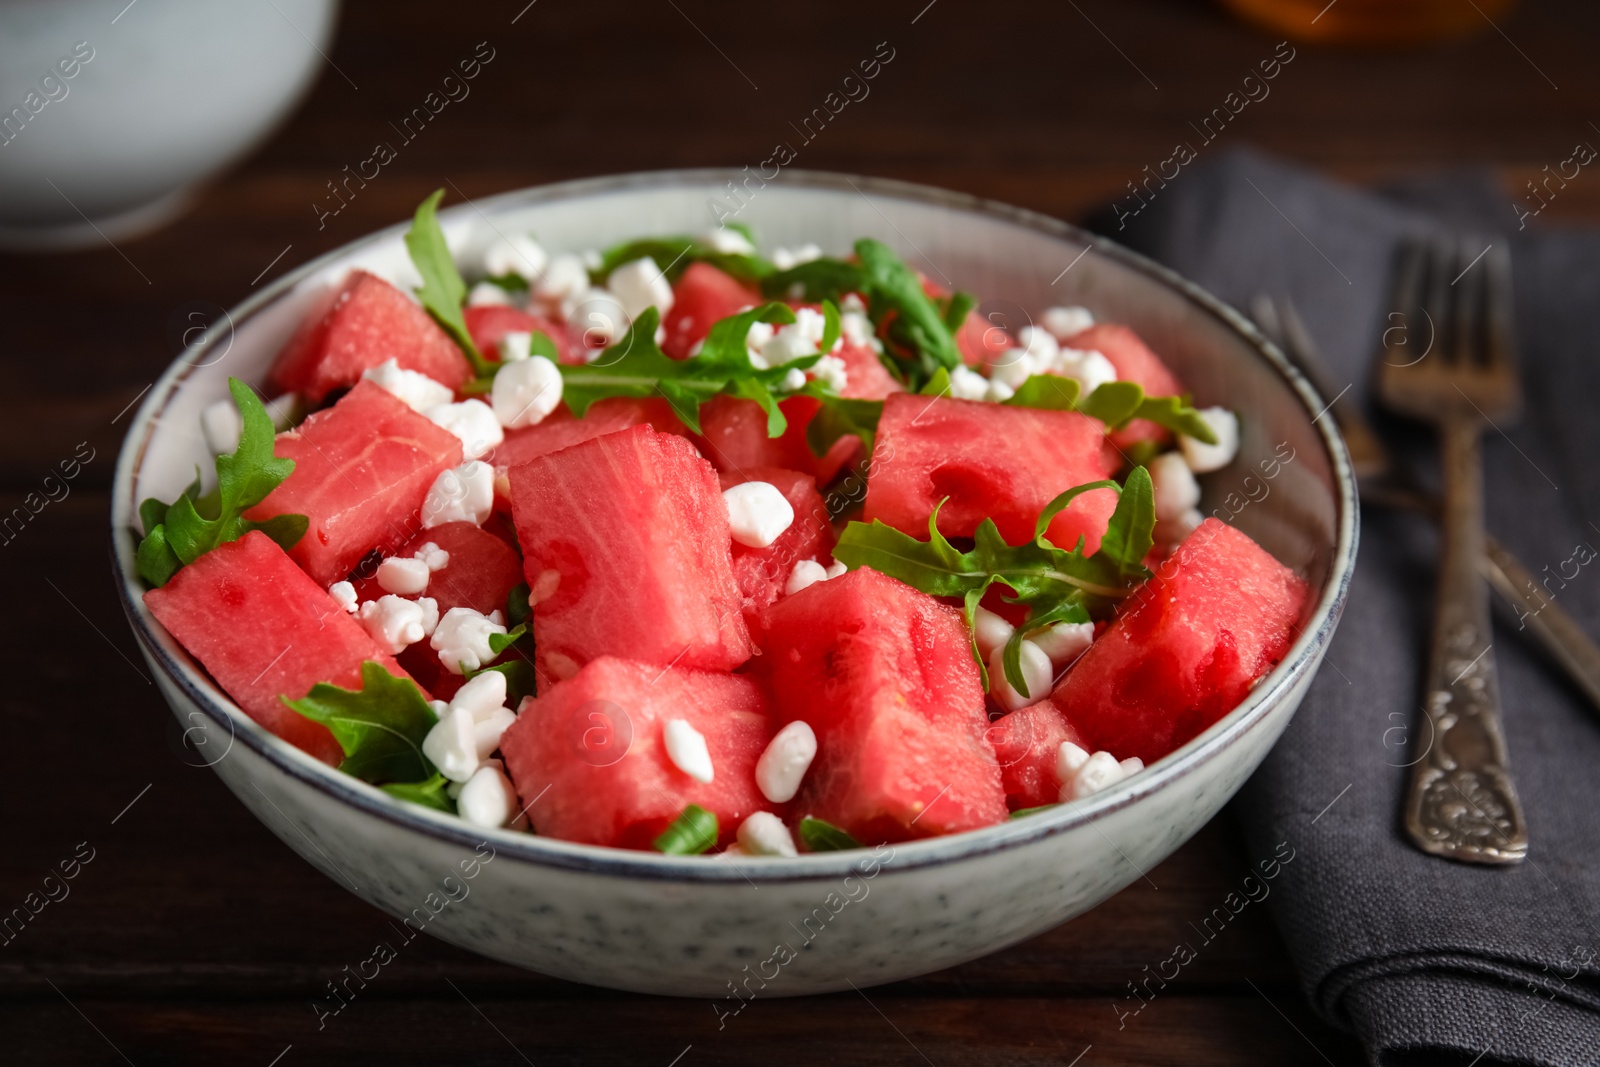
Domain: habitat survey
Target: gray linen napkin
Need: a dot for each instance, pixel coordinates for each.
(1426, 960)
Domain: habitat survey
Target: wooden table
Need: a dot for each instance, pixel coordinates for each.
(194, 936)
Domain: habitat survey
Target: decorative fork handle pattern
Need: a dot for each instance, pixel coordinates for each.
(1462, 803)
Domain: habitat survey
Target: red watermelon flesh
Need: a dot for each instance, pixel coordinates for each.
(635, 531)
(865, 375)
(357, 326)
(1025, 744)
(980, 341)
(561, 430)
(703, 297)
(482, 571)
(763, 572)
(733, 436)
(992, 461)
(885, 677)
(362, 471)
(488, 323)
(587, 753)
(263, 628)
(1135, 363)
(1186, 647)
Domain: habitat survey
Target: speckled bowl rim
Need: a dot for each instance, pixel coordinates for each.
(550, 852)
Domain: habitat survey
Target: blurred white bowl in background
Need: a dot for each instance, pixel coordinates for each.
(112, 112)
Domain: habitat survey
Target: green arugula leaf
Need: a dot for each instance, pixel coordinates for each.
(380, 726)
(1049, 391)
(518, 610)
(820, 836)
(743, 229)
(429, 793)
(636, 366)
(443, 292)
(1113, 403)
(511, 283)
(1055, 584)
(521, 678)
(938, 385)
(673, 255)
(917, 324)
(814, 281)
(690, 834)
(498, 643)
(191, 526)
(841, 416)
(1023, 813)
(956, 309)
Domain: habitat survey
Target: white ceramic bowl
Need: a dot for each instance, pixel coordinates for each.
(114, 113)
(700, 926)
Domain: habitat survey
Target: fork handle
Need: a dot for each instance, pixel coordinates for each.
(1462, 803)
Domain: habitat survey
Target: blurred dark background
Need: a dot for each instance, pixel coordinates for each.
(194, 936)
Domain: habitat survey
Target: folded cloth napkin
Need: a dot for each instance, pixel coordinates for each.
(1426, 960)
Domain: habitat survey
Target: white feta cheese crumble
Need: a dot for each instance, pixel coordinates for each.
(856, 330)
(345, 594)
(757, 513)
(832, 372)
(1092, 369)
(481, 695)
(1036, 672)
(518, 254)
(806, 573)
(837, 569)
(526, 392)
(1065, 322)
(989, 631)
(1064, 642)
(450, 745)
(488, 799)
(487, 294)
(419, 391)
(599, 315)
(686, 748)
(784, 762)
(564, 277)
(1081, 774)
(462, 639)
(515, 345)
(1014, 366)
(403, 577)
(1204, 458)
(430, 614)
(639, 284)
(394, 622)
(1040, 344)
(999, 392)
(793, 380)
(461, 494)
(282, 409)
(221, 425)
(853, 302)
(784, 258)
(435, 557)
(472, 421)
(486, 732)
(764, 834)
(802, 337)
(1176, 491)
(968, 384)
(730, 241)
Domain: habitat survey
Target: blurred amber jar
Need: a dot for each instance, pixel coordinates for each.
(1370, 22)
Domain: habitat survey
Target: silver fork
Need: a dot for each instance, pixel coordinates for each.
(1386, 482)
(1462, 802)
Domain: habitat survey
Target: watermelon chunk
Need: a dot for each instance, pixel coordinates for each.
(734, 438)
(1135, 363)
(1186, 647)
(357, 326)
(626, 546)
(263, 628)
(1025, 743)
(763, 572)
(980, 341)
(362, 471)
(488, 323)
(884, 674)
(992, 461)
(482, 571)
(587, 753)
(703, 297)
(865, 375)
(561, 430)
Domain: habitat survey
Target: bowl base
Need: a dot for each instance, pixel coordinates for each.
(87, 233)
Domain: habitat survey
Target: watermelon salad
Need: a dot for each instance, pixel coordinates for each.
(677, 546)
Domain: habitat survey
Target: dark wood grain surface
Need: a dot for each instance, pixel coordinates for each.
(194, 936)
